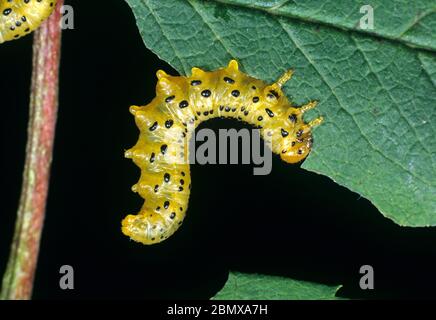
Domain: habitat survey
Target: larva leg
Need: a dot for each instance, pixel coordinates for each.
(285, 78)
(307, 107)
(315, 122)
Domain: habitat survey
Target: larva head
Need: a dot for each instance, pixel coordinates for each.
(296, 137)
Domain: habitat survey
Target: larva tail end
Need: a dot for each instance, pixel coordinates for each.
(136, 227)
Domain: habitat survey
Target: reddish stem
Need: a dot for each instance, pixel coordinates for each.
(20, 271)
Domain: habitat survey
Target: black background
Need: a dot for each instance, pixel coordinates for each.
(291, 223)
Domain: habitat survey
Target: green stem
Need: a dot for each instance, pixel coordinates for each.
(20, 270)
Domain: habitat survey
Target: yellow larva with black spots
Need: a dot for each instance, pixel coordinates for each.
(21, 17)
(168, 121)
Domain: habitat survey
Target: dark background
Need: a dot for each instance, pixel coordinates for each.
(291, 223)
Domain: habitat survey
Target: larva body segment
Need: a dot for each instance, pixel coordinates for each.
(168, 121)
(21, 17)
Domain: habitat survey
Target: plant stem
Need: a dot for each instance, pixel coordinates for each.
(20, 270)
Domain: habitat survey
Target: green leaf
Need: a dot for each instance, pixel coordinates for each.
(243, 286)
(377, 94)
(409, 22)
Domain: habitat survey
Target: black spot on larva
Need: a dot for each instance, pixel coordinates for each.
(235, 93)
(180, 188)
(195, 82)
(229, 80)
(206, 93)
(284, 151)
(182, 182)
(154, 126)
(156, 188)
(293, 118)
(198, 113)
(242, 108)
(300, 151)
(157, 208)
(172, 215)
(299, 133)
(245, 113)
(169, 99)
(152, 239)
(179, 223)
(284, 133)
(300, 140)
(7, 11)
(293, 143)
(269, 112)
(152, 157)
(167, 177)
(166, 204)
(260, 118)
(227, 109)
(163, 148)
(183, 104)
(18, 23)
(234, 109)
(253, 87)
(206, 113)
(23, 18)
(183, 134)
(211, 111)
(184, 124)
(183, 174)
(274, 94)
(221, 108)
(255, 99)
(169, 123)
(181, 209)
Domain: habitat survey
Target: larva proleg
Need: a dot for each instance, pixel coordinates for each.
(168, 121)
(20, 17)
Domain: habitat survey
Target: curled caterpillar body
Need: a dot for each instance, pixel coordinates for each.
(21, 17)
(168, 121)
